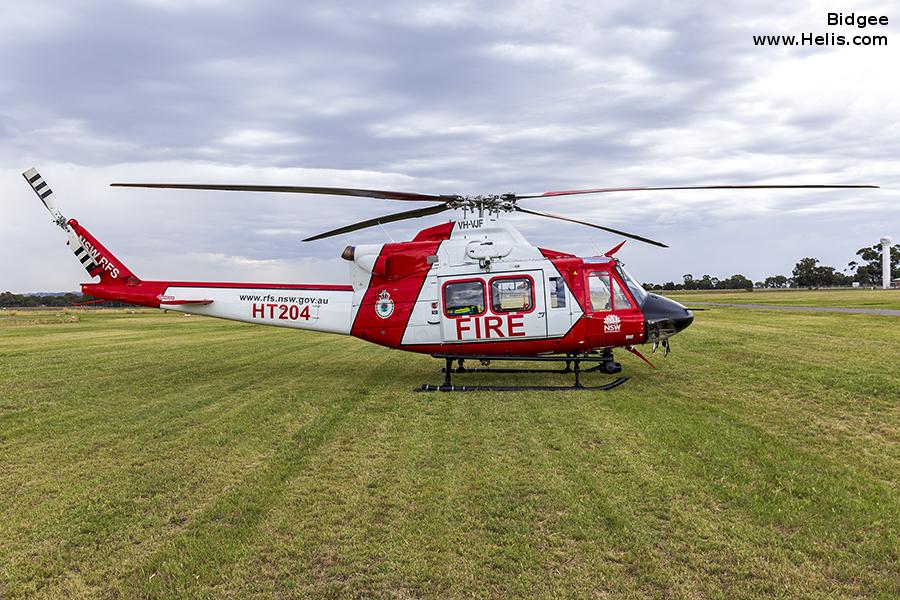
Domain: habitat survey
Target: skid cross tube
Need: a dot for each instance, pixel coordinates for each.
(573, 364)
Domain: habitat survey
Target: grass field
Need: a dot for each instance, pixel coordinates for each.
(851, 298)
(149, 455)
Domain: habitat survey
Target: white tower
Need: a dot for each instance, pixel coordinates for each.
(885, 262)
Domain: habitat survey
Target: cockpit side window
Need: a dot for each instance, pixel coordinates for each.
(598, 285)
(620, 297)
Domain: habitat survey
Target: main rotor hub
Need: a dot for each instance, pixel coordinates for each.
(494, 203)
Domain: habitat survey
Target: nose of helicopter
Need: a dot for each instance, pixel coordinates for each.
(664, 317)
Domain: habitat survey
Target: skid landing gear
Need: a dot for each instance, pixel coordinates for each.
(572, 365)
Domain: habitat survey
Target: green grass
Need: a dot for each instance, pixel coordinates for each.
(850, 298)
(144, 455)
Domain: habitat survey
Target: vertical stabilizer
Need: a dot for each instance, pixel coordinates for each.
(93, 256)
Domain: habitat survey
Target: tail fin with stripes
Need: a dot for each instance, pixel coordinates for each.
(93, 256)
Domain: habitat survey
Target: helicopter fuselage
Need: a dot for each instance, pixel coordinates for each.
(474, 287)
(469, 287)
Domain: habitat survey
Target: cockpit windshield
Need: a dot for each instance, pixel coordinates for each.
(639, 293)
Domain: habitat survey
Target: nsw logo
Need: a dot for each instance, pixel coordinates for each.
(612, 324)
(384, 306)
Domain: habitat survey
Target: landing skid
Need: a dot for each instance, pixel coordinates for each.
(573, 365)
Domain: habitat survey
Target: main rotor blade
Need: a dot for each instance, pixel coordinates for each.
(609, 229)
(409, 214)
(292, 189)
(694, 187)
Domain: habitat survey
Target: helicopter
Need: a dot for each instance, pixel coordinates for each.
(467, 289)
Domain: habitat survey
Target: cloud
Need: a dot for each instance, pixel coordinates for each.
(255, 138)
(445, 97)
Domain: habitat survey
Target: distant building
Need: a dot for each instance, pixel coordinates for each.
(895, 283)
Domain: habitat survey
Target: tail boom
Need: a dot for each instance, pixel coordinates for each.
(326, 308)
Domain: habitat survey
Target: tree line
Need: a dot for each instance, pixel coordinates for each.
(10, 300)
(807, 273)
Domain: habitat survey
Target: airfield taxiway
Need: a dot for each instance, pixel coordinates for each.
(860, 311)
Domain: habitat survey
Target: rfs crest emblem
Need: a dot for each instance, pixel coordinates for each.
(384, 306)
(612, 324)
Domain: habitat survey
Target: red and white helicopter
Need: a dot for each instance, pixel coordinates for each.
(473, 288)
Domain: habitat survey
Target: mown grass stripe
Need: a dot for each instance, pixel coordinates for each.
(205, 458)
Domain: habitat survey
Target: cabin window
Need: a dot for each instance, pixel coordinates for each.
(621, 299)
(512, 294)
(599, 290)
(464, 298)
(557, 292)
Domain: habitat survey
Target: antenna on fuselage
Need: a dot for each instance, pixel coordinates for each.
(393, 241)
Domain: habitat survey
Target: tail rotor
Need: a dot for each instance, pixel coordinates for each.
(93, 256)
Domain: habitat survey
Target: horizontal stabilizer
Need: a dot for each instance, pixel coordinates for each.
(169, 300)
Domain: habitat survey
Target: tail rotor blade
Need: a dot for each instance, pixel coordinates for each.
(42, 190)
(595, 226)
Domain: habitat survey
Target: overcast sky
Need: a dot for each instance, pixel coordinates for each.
(449, 97)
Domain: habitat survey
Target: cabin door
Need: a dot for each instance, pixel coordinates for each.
(613, 317)
(493, 307)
